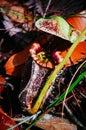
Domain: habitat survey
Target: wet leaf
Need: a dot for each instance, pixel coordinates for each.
(56, 123)
(6, 121)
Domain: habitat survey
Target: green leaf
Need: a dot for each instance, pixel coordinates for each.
(63, 26)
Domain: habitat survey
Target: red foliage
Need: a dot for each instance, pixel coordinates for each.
(6, 121)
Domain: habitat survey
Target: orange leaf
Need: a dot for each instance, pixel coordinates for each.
(77, 22)
(78, 53)
(16, 61)
(2, 79)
